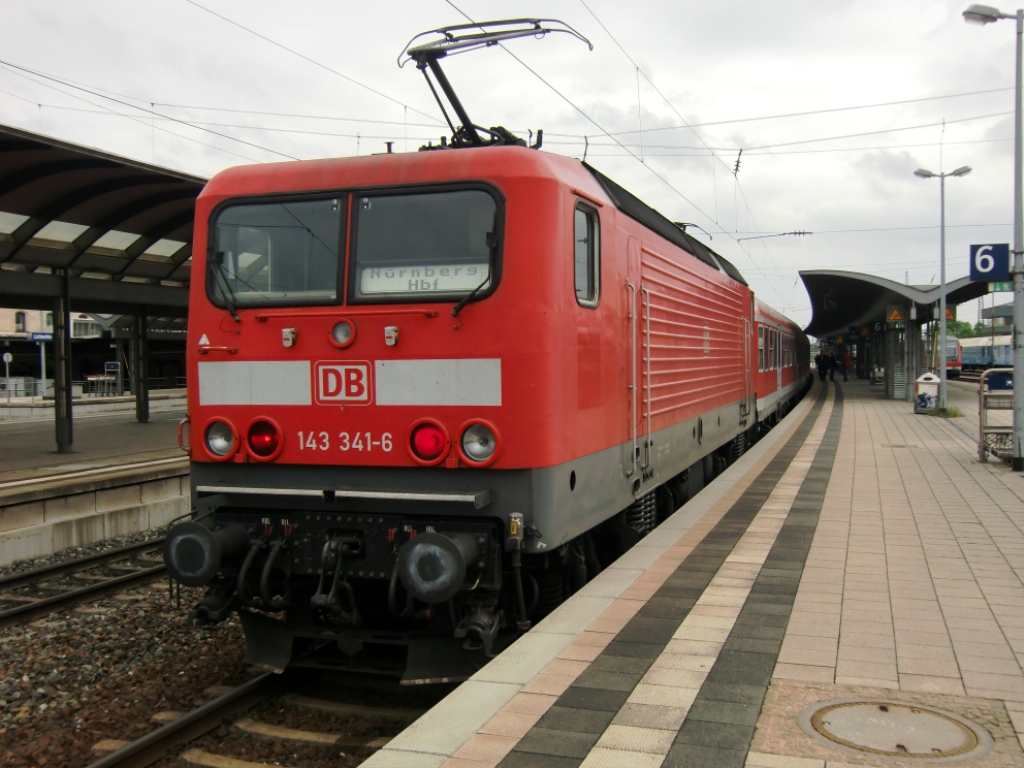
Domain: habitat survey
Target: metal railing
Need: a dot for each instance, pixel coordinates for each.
(33, 389)
(994, 439)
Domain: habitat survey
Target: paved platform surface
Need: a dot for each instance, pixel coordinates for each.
(28, 449)
(858, 551)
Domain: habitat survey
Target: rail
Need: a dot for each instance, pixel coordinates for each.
(993, 438)
(49, 596)
(156, 744)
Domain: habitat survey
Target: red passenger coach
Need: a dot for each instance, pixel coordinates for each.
(783, 362)
(432, 394)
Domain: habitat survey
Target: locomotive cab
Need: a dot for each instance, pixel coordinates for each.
(372, 409)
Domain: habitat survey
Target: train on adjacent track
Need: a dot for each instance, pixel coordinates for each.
(978, 353)
(432, 394)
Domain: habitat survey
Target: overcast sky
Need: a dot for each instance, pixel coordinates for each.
(727, 66)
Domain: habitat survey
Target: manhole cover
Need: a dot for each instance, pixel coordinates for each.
(895, 729)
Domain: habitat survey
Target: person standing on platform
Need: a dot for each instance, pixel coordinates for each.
(846, 363)
(832, 363)
(819, 364)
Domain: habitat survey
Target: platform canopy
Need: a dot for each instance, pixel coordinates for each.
(123, 228)
(842, 300)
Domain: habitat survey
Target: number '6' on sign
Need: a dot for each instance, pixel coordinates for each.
(990, 262)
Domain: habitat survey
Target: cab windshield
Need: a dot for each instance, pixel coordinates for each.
(424, 246)
(278, 253)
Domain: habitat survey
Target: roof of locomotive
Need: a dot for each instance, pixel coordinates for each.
(637, 209)
(444, 165)
(399, 168)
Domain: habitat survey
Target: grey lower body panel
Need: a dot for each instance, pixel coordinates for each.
(559, 502)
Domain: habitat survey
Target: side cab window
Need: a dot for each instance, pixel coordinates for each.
(586, 255)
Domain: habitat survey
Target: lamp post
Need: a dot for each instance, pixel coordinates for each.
(985, 14)
(921, 172)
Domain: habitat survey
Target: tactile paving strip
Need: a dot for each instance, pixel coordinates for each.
(720, 726)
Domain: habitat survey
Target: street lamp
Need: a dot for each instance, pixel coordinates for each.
(985, 14)
(922, 173)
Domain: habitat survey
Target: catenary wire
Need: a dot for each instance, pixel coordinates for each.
(101, 92)
(157, 103)
(812, 112)
(152, 112)
(875, 133)
(309, 59)
(831, 138)
(703, 151)
(587, 117)
(196, 123)
(135, 119)
(738, 186)
(550, 135)
(659, 176)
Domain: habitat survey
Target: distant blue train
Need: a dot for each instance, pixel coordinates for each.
(976, 354)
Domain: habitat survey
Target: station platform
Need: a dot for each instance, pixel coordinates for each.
(122, 478)
(858, 562)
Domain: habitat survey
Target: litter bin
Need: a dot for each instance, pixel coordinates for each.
(926, 393)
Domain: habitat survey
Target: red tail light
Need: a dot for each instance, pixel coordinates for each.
(428, 441)
(264, 439)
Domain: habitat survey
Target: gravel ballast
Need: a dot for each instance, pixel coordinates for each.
(100, 671)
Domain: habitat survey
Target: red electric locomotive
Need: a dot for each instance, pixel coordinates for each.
(432, 394)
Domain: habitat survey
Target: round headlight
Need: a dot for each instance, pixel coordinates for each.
(343, 333)
(478, 442)
(220, 438)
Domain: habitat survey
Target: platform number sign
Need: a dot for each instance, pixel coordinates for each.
(990, 263)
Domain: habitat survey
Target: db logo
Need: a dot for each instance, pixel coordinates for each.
(343, 382)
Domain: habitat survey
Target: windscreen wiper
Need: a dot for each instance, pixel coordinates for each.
(222, 283)
(469, 297)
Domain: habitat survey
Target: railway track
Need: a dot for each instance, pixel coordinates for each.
(188, 736)
(156, 744)
(31, 594)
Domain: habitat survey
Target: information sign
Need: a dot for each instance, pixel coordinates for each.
(1000, 287)
(990, 263)
(40, 337)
